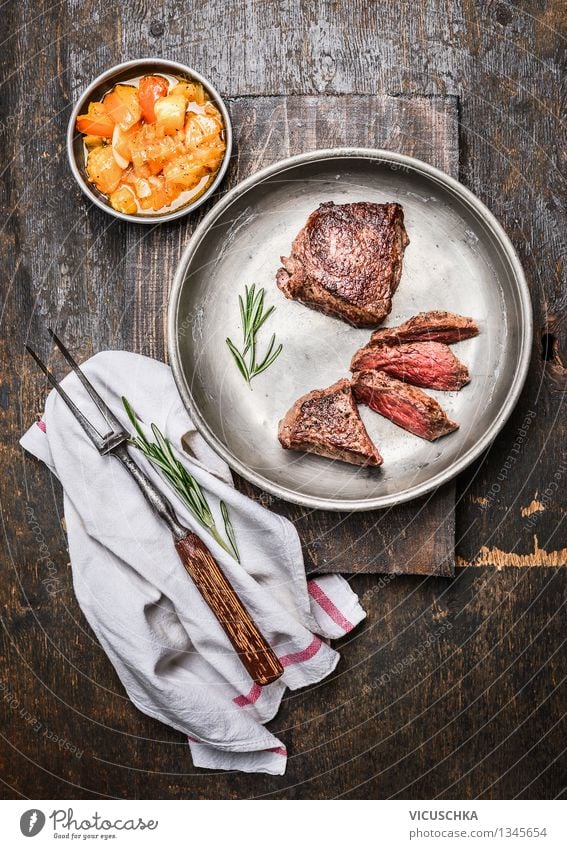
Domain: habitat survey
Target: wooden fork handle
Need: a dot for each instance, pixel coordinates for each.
(256, 655)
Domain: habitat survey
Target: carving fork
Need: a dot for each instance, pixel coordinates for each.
(256, 655)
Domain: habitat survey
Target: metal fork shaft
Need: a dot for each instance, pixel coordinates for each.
(111, 419)
(255, 653)
(153, 496)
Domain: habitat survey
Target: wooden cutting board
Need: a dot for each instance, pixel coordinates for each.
(414, 538)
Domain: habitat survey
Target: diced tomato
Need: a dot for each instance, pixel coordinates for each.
(103, 170)
(124, 201)
(97, 121)
(150, 89)
(123, 106)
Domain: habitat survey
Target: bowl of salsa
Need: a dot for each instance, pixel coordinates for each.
(149, 140)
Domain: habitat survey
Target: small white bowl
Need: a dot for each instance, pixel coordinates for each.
(96, 91)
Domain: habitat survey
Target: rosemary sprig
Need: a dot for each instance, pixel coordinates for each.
(253, 317)
(182, 482)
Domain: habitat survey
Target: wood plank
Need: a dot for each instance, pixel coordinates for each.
(450, 689)
(511, 129)
(479, 713)
(270, 128)
(414, 538)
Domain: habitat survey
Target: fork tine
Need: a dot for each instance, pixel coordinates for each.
(87, 426)
(102, 406)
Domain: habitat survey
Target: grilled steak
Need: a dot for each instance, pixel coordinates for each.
(436, 326)
(429, 364)
(347, 261)
(327, 422)
(407, 406)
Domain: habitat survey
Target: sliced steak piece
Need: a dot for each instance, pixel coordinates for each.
(347, 261)
(429, 364)
(327, 422)
(407, 406)
(435, 326)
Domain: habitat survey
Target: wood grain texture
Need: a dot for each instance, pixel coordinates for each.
(450, 689)
(253, 651)
(415, 709)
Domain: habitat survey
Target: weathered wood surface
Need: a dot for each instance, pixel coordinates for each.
(417, 538)
(415, 709)
(450, 689)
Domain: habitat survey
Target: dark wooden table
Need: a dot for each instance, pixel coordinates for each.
(452, 687)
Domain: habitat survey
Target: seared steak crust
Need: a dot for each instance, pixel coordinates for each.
(327, 422)
(429, 364)
(434, 326)
(407, 406)
(347, 261)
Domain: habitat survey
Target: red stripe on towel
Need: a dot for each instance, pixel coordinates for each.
(301, 656)
(328, 606)
(41, 425)
(286, 660)
(250, 699)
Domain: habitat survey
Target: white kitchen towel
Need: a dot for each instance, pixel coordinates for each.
(167, 647)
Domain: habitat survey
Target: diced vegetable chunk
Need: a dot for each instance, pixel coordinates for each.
(147, 145)
(93, 141)
(151, 88)
(210, 156)
(192, 92)
(193, 132)
(140, 185)
(121, 141)
(172, 191)
(201, 129)
(103, 170)
(123, 106)
(159, 195)
(123, 201)
(150, 148)
(184, 171)
(170, 113)
(97, 121)
(210, 127)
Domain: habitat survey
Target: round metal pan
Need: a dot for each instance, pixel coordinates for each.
(459, 259)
